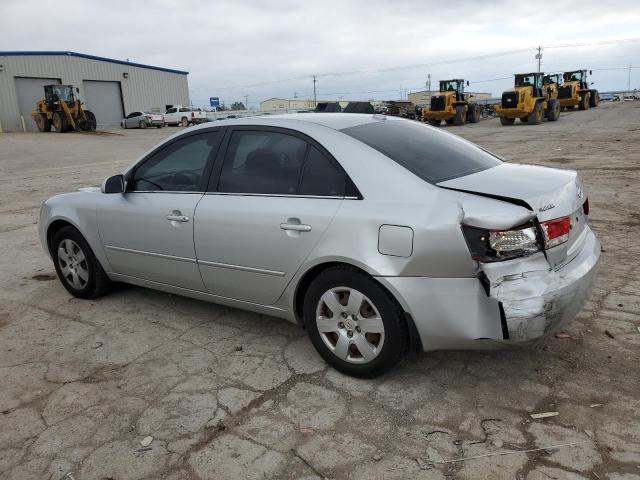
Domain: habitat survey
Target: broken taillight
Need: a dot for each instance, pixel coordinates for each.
(556, 231)
(497, 245)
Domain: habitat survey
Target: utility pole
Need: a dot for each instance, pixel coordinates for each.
(429, 87)
(315, 100)
(539, 57)
(246, 102)
(629, 79)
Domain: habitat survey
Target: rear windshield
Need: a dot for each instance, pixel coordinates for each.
(431, 155)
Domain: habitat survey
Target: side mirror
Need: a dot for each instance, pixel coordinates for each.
(590, 72)
(77, 90)
(591, 83)
(113, 184)
(467, 83)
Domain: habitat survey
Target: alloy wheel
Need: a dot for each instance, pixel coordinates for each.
(350, 325)
(73, 264)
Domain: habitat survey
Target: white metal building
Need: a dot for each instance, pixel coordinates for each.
(109, 88)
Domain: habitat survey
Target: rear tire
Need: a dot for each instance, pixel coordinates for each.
(524, 119)
(364, 333)
(59, 122)
(535, 117)
(434, 123)
(91, 121)
(571, 107)
(142, 124)
(77, 267)
(42, 122)
(507, 121)
(184, 122)
(594, 98)
(460, 115)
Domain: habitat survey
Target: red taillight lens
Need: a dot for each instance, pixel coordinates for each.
(556, 231)
(585, 207)
(193, 114)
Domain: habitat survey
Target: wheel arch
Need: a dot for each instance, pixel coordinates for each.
(53, 228)
(312, 273)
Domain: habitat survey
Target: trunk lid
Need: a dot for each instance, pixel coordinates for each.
(550, 193)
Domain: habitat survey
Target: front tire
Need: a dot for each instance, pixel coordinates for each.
(535, 117)
(507, 121)
(354, 323)
(59, 121)
(434, 123)
(142, 125)
(594, 98)
(77, 267)
(584, 102)
(460, 116)
(43, 123)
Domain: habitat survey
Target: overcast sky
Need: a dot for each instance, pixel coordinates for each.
(271, 48)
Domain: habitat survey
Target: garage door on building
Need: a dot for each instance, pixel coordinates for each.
(29, 90)
(104, 99)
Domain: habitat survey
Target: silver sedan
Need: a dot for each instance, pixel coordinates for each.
(379, 235)
(142, 120)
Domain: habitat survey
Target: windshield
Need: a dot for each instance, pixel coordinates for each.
(449, 86)
(432, 155)
(63, 92)
(527, 80)
(574, 76)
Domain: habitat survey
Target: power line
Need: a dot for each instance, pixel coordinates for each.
(425, 65)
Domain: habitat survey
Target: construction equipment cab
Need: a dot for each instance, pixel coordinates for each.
(529, 101)
(551, 83)
(576, 91)
(61, 109)
(451, 105)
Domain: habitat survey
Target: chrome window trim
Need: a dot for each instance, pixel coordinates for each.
(163, 191)
(281, 195)
(151, 254)
(275, 273)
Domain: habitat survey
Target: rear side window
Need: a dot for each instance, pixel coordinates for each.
(262, 162)
(321, 177)
(432, 155)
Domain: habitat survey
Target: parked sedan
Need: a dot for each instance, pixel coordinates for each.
(142, 120)
(377, 234)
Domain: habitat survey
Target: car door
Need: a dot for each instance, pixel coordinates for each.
(272, 196)
(147, 231)
(132, 120)
(171, 115)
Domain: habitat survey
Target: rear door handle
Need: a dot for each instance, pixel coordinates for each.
(296, 227)
(176, 216)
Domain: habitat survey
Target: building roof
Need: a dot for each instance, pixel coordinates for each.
(90, 57)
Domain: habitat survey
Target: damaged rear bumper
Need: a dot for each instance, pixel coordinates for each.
(537, 299)
(521, 300)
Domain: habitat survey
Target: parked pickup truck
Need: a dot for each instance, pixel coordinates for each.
(184, 116)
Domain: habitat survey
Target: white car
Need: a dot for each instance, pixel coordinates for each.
(377, 234)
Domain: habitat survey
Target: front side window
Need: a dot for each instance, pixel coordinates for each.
(134, 114)
(262, 162)
(172, 110)
(178, 167)
(432, 155)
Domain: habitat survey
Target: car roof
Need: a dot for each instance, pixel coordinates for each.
(336, 121)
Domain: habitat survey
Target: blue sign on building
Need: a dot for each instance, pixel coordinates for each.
(214, 101)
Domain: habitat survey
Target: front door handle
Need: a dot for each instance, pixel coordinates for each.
(296, 227)
(176, 216)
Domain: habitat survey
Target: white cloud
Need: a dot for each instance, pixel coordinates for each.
(226, 43)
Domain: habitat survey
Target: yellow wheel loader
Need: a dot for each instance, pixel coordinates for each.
(529, 101)
(451, 105)
(576, 92)
(61, 109)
